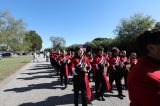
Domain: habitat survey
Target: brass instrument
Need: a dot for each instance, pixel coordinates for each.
(84, 64)
(104, 63)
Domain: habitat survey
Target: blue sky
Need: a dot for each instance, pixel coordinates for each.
(78, 21)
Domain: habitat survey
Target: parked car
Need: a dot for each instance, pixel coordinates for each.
(6, 54)
(0, 56)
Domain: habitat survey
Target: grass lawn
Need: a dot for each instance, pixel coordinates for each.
(9, 65)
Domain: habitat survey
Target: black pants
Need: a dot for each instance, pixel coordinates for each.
(100, 85)
(89, 74)
(116, 75)
(125, 75)
(52, 61)
(79, 85)
(57, 68)
(63, 76)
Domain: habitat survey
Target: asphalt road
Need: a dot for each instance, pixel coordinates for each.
(36, 84)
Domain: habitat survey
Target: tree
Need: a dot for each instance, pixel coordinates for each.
(106, 43)
(58, 42)
(11, 31)
(32, 41)
(73, 47)
(130, 28)
(157, 25)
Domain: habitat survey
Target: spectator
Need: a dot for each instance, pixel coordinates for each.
(34, 56)
(47, 56)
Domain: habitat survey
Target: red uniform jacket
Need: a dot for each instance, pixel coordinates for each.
(113, 62)
(90, 60)
(61, 59)
(144, 83)
(123, 59)
(96, 61)
(133, 62)
(53, 55)
(77, 61)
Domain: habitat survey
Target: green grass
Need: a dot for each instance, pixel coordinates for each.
(9, 65)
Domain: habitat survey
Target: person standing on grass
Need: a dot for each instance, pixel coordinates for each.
(144, 77)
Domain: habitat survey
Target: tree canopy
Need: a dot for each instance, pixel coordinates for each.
(157, 25)
(14, 36)
(127, 31)
(58, 42)
(129, 28)
(11, 30)
(32, 41)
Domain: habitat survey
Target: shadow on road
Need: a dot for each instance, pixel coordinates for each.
(38, 77)
(53, 101)
(41, 67)
(37, 74)
(52, 85)
(41, 72)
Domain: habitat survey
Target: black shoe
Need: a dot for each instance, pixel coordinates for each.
(61, 84)
(126, 88)
(103, 99)
(110, 91)
(63, 88)
(120, 96)
(123, 95)
(90, 104)
(98, 98)
(123, 87)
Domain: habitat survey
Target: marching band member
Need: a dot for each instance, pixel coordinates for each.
(90, 73)
(80, 79)
(63, 61)
(116, 71)
(133, 60)
(101, 82)
(124, 61)
(57, 64)
(53, 58)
